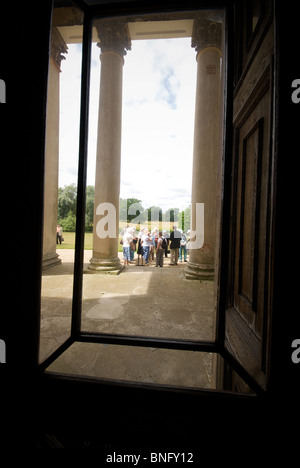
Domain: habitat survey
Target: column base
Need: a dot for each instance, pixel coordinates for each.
(110, 266)
(196, 271)
(50, 260)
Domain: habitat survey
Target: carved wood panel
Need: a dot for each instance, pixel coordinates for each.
(250, 157)
(247, 316)
(252, 176)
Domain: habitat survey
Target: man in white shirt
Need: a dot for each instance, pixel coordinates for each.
(127, 239)
(146, 241)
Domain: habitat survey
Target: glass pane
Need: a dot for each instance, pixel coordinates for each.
(61, 162)
(145, 142)
(189, 369)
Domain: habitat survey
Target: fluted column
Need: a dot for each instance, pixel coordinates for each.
(207, 42)
(114, 41)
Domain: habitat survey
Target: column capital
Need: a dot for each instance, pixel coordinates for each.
(206, 33)
(58, 47)
(113, 36)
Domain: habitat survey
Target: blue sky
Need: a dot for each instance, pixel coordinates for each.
(159, 82)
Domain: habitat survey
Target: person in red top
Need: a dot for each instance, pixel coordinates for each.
(59, 234)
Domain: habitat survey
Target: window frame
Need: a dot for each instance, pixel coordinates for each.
(76, 335)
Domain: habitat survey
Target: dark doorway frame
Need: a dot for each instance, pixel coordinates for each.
(21, 329)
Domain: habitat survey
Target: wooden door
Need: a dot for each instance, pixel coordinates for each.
(248, 309)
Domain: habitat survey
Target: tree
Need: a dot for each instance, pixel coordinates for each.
(89, 207)
(128, 215)
(67, 197)
(129, 210)
(171, 215)
(155, 214)
(69, 223)
(184, 219)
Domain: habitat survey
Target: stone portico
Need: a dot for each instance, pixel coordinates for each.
(114, 39)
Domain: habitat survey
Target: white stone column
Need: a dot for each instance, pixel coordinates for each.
(207, 42)
(114, 41)
(58, 47)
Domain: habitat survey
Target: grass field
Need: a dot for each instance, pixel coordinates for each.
(69, 241)
(69, 237)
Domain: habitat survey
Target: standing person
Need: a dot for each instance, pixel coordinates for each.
(174, 247)
(59, 234)
(183, 247)
(156, 232)
(133, 244)
(140, 246)
(160, 249)
(166, 238)
(127, 240)
(146, 242)
(154, 236)
(124, 230)
(188, 238)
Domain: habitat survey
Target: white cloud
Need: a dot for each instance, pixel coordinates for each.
(158, 120)
(159, 81)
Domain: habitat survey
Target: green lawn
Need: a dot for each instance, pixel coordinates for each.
(69, 241)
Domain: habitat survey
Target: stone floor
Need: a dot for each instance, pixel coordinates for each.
(143, 301)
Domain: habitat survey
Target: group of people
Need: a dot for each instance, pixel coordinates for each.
(146, 243)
